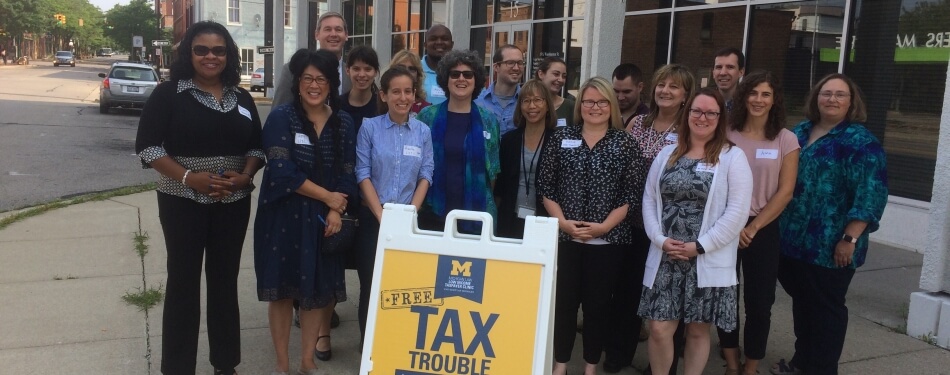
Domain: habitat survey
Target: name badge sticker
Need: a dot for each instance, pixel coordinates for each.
(561, 122)
(571, 143)
(524, 212)
(766, 153)
(487, 134)
(438, 92)
(244, 112)
(703, 167)
(302, 139)
(672, 137)
(408, 150)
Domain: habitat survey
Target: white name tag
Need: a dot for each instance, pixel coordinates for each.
(302, 139)
(561, 122)
(571, 143)
(408, 150)
(438, 92)
(244, 112)
(703, 167)
(524, 212)
(487, 134)
(766, 153)
(672, 137)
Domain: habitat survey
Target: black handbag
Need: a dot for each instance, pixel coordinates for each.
(342, 241)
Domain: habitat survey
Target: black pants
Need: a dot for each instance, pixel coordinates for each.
(818, 311)
(758, 265)
(367, 236)
(586, 275)
(624, 332)
(196, 233)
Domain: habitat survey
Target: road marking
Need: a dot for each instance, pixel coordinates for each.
(15, 173)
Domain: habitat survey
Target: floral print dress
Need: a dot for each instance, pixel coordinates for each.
(675, 294)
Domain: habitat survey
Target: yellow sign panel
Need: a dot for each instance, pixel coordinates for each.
(446, 314)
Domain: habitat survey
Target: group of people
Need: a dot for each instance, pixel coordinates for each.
(660, 205)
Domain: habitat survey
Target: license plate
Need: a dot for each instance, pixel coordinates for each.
(132, 89)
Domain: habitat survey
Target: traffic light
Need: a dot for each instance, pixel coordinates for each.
(61, 19)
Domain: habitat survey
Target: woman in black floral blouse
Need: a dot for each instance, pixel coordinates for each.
(591, 176)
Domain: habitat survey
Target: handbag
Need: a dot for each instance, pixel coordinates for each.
(343, 240)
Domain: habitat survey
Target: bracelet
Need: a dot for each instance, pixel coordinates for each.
(699, 248)
(187, 171)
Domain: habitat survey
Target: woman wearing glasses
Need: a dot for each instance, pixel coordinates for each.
(412, 63)
(464, 142)
(839, 198)
(553, 73)
(590, 179)
(695, 203)
(308, 181)
(201, 132)
(517, 190)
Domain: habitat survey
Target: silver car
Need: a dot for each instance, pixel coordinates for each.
(257, 80)
(128, 85)
(64, 58)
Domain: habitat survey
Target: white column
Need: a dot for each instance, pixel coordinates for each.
(383, 32)
(935, 273)
(459, 20)
(335, 6)
(302, 27)
(601, 16)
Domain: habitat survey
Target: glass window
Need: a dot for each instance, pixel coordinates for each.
(560, 39)
(486, 12)
(687, 3)
(481, 39)
(410, 41)
(697, 35)
(646, 42)
(359, 16)
(903, 83)
(247, 61)
(633, 5)
(287, 16)
(408, 15)
(234, 11)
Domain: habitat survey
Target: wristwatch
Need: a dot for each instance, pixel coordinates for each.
(847, 238)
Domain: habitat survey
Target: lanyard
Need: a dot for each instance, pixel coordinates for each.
(525, 171)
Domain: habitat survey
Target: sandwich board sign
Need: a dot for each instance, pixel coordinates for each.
(459, 304)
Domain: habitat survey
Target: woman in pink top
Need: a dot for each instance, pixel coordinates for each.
(758, 128)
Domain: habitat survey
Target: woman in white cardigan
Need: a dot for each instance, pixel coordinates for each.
(697, 196)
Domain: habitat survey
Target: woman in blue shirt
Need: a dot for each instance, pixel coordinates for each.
(839, 198)
(393, 165)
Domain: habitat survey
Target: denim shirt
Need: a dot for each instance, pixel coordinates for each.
(506, 114)
(394, 157)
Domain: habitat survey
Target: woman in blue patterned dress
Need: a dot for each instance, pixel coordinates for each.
(839, 198)
(695, 203)
(311, 154)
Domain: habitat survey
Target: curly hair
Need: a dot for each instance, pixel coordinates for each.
(455, 58)
(405, 56)
(326, 63)
(776, 118)
(183, 67)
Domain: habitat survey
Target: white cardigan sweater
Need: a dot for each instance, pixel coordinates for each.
(726, 213)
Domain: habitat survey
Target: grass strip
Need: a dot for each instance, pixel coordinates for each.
(60, 203)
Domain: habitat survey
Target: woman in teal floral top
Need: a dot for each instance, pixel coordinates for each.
(839, 198)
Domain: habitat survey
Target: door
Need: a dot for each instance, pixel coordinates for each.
(518, 34)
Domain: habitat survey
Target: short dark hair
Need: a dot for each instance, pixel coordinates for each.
(465, 57)
(546, 63)
(622, 71)
(496, 58)
(776, 118)
(363, 53)
(326, 62)
(725, 52)
(183, 67)
(858, 111)
(394, 71)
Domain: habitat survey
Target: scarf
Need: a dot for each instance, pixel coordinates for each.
(475, 198)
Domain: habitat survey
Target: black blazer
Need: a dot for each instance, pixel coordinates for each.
(506, 185)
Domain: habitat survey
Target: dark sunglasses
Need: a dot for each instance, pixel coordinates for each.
(220, 51)
(455, 74)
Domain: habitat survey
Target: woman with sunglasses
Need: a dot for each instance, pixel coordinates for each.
(695, 204)
(202, 133)
(412, 63)
(308, 181)
(517, 190)
(464, 142)
(590, 179)
(553, 74)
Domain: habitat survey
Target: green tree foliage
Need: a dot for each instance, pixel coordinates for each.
(37, 17)
(136, 18)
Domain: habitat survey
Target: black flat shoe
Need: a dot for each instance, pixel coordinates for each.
(323, 355)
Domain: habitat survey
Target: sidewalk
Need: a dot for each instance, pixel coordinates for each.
(63, 273)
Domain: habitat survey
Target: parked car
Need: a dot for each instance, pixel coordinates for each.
(257, 80)
(104, 52)
(64, 58)
(127, 85)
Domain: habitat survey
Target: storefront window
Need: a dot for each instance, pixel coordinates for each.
(359, 22)
(698, 34)
(558, 39)
(646, 42)
(407, 15)
(688, 3)
(548, 9)
(634, 5)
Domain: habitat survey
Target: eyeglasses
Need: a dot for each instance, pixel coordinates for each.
(513, 63)
(840, 95)
(535, 100)
(591, 103)
(219, 51)
(455, 74)
(308, 80)
(695, 113)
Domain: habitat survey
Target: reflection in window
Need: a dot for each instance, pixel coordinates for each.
(359, 17)
(689, 3)
(646, 41)
(699, 34)
(633, 5)
(410, 41)
(559, 39)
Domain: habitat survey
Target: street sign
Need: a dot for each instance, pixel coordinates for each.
(137, 41)
(265, 50)
(161, 43)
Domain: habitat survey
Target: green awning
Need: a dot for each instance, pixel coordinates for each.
(918, 55)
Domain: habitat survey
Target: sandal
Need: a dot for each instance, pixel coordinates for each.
(784, 368)
(323, 355)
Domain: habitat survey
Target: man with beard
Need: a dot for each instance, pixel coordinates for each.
(628, 84)
(438, 43)
(501, 95)
(728, 69)
(331, 35)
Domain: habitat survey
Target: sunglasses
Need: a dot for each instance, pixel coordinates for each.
(220, 51)
(455, 74)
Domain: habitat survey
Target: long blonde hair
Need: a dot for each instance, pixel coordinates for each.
(606, 89)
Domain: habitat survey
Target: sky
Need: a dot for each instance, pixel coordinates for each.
(105, 5)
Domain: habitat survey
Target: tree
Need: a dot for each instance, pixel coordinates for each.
(136, 18)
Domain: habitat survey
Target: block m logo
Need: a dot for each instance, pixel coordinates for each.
(461, 268)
